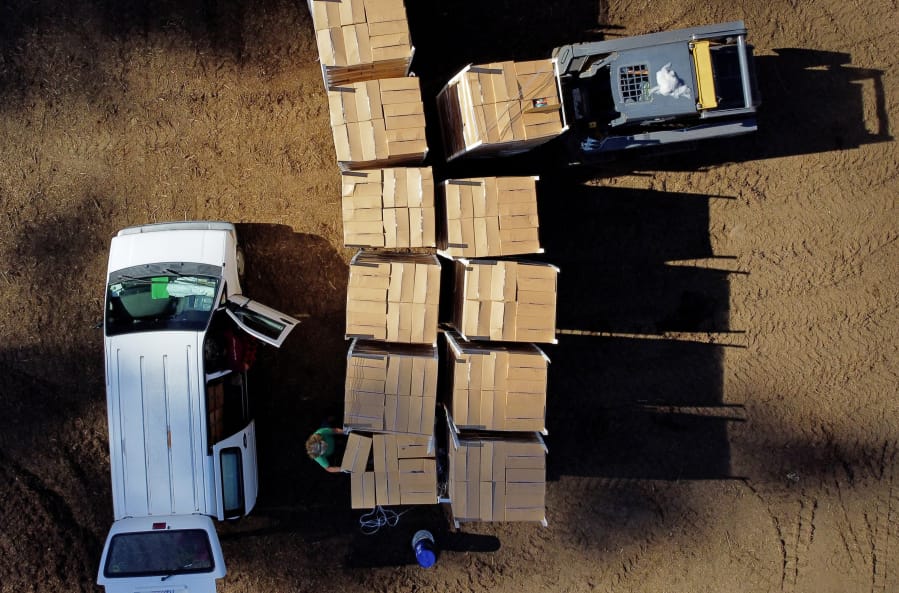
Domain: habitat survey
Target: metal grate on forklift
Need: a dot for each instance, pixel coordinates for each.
(634, 81)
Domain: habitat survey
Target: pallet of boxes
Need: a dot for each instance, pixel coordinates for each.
(390, 208)
(501, 108)
(365, 50)
(361, 40)
(390, 396)
(378, 123)
(497, 375)
(390, 393)
(387, 200)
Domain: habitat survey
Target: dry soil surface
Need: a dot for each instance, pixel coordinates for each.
(723, 409)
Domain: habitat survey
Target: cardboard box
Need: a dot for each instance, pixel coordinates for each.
(362, 490)
(489, 217)
(356, 454)
(494, 479)
(392, 388)
(215, 410)
(501, 300)
(410, 446)
(379, 11)
(330, 13)
(501, 108)
(418, 481)
(378, 123)
(496, 387)
(393, 297)
(391, 207)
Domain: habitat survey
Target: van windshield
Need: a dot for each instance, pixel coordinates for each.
(168, 552)
(160, 302)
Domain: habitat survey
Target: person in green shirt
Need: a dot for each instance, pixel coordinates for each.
(320, 446)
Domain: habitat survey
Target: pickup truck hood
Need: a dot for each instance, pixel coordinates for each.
(157, 431)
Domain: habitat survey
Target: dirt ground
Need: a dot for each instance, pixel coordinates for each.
(723, 404)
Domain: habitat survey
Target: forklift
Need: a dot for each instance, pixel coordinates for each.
(657, 89)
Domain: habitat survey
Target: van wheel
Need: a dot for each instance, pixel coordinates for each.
(240, 264)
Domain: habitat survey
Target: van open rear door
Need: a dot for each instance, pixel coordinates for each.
(167, 553)
(264, 323)
(236, 478)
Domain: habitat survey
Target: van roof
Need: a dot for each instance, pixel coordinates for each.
(157, 430)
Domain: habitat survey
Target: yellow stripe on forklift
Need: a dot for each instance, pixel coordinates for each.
(705, 80)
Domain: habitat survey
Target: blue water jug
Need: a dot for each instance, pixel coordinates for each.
(423, 546)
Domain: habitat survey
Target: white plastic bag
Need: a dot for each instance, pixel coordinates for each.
(669, 83)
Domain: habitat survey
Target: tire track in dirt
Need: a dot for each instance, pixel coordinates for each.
(885, 530)
(836, 294)
(781, 538)
(797, 541)
(844, 485)
(793, 522)
(30, 510)
(802, 265)
(628, 562)
(620, 517)
(857, 366)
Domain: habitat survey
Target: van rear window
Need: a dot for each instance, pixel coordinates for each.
(149, 553)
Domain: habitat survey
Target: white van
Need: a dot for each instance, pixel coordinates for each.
(179, 337)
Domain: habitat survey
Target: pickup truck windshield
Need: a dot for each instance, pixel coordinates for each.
(160, 302)
(167, 553)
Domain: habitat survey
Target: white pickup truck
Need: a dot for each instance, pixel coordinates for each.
(179, 337)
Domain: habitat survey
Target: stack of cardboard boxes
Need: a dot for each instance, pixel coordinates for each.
(392, 208)
(496, 412)
(361, 39)
(376, 112)
(500, 300)
(509, 301)
(391, 383)
(388, 469)
(496, 387)
(495, 478)
(489, 216)
(500, 108)
(390, 388)
(393, 297)
(496, 400)
(378, 123)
